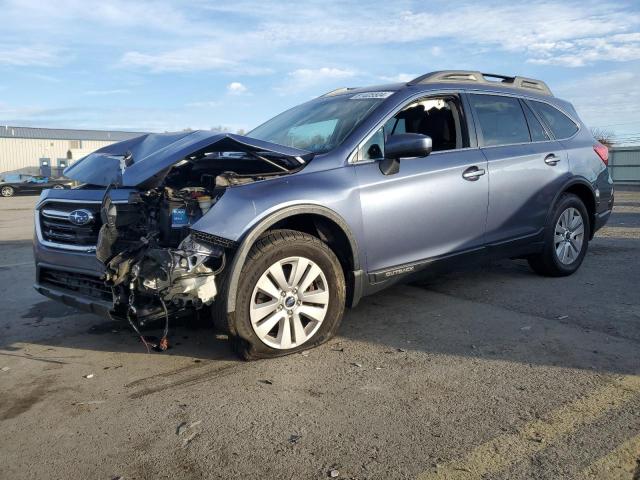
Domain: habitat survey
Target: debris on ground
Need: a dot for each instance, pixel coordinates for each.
(266, 382)
(222, 336)
(293, 439)
(526, 328)
(402, 350)
(334, 473)
(355, 364)
(184, 426)
(5, 369)
(304, 353)
(378, 368)
(88, 375)
(189, 439)
(562, 317)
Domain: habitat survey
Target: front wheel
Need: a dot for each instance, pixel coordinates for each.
(7, 191)
(291, 295)
(566, 239)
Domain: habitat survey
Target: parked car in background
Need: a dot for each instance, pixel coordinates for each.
(31, 184)
(276, 232)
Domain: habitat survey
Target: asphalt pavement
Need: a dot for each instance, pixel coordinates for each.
(491, 373)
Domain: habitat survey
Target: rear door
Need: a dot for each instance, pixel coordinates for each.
(526, 166)
(432, 206)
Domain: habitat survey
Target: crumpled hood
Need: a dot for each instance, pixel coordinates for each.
(135, 161)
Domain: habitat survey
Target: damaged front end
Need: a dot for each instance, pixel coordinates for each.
(151, 277)
(154, 265)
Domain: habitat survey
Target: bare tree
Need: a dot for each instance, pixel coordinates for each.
(605, 137)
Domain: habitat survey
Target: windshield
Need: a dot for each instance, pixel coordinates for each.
(320, 125)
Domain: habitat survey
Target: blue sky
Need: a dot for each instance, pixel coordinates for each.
(169, 65)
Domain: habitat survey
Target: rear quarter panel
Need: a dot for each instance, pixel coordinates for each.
(585, 163)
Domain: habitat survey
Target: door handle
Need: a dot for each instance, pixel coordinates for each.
(551, 159)
(473, 173)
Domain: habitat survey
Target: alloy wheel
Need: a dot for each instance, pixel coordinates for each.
(289, 303)
(569, 236)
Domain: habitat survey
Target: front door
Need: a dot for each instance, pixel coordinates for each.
(432, 206)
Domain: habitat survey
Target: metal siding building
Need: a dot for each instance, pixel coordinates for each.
(624, 164)
(47, 151)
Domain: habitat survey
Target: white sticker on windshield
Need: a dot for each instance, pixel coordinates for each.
(367, 95)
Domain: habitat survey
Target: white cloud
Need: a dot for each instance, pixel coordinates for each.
(577, 53)
(399, 78)
(176, 60)
(606, 98)
(236, 88)
(35, 55)
(309, 78)
(551, 32)
(320, 74)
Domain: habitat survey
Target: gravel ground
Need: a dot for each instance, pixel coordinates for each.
(493, 373)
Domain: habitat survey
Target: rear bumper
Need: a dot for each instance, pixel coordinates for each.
(600, 220)
(87, 304)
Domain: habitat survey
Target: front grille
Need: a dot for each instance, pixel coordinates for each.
(56, 226)
(79, 283)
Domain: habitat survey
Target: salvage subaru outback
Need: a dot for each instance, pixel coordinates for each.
(274, 233)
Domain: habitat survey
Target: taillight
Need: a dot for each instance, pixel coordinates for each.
(603, 152)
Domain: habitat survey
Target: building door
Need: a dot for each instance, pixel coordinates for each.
(45, 167)
(62, 164)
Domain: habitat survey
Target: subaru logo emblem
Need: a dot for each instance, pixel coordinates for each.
(80, 217)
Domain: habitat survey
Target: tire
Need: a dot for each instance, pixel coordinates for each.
(58, 187)
(564, 248)
(305, 313)
(7, 191)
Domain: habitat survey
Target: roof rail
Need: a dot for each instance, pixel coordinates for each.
(470, 76)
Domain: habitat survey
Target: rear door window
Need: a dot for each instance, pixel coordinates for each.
(501, 119)
(536, 129)
(560, 125)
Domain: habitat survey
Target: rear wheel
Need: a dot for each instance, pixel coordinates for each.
(291, 295)
(7, 191)
(566, 239)
(58, 187)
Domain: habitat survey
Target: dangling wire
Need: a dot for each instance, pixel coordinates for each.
(164, 341)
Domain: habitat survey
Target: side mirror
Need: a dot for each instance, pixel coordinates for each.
(404, 145)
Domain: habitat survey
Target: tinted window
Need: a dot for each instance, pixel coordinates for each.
(501, 119)
(535, 127)
(561, 125)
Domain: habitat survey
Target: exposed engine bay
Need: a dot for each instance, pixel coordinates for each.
(153, 264)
